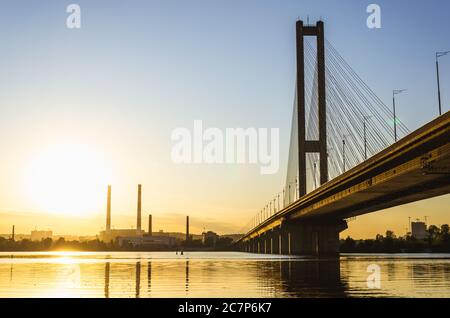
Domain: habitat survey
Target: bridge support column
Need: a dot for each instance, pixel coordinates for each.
(275, 245)
(271, 244)
(279, 243)
(285, 246)
(265, 244)
(312, 238)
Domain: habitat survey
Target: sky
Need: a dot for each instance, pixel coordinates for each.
(84, 108)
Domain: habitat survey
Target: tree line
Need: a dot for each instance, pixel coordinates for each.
(223, 243)
(437, 240)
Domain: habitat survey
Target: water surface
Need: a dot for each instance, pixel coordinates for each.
(219, 274)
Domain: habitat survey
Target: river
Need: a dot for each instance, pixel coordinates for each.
(221, 274)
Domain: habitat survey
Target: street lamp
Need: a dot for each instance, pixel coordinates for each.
(314, 174)
(343, 151)
(289, 194)
(438, 55)
(278, 202)
(343, 154)
(395, 92)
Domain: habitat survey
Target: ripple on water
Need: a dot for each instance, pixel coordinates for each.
(219, 274)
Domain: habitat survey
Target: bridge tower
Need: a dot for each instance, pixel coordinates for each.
(311, 146)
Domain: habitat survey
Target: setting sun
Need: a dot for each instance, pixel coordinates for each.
(66, 179)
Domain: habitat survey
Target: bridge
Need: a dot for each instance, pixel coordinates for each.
(347, 154)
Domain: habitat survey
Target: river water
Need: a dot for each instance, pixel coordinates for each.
(221, 274)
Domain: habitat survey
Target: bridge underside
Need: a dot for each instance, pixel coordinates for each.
(415, 180)
(298, 238)
(415, 168)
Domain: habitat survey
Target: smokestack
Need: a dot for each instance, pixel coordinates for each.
(150, 231)
(12, 236)
(108, 210)
(187, 228)
(138, 227)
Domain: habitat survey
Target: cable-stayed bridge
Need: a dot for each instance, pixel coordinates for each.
(349, 155)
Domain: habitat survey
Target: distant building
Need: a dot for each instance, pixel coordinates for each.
(148, 241)
(209, 238)
(114, 234)
(418, 230)
(40, 235)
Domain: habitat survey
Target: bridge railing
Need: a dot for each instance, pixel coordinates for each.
(281, 200)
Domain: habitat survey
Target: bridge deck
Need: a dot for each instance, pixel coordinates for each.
(416, 167)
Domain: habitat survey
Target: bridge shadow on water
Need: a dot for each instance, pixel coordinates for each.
(304, 278)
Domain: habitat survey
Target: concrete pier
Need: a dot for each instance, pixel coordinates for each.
(299, 238)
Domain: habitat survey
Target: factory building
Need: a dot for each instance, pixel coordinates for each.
(40, 235)
(134, 237)
(148, 241)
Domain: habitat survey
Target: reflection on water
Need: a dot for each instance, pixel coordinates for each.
(107, 271)
(230, 274)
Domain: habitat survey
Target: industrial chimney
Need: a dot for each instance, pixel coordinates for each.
(187, 228)
(108, 210)
(138, 227)
(150, 231)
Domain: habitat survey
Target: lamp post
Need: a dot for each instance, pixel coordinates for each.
(289, 194)
(343, 151)
(438, 55)
(278, 202)
(395, 92)
(343, 154)
(314, 175)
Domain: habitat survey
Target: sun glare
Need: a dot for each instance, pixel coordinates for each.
(67, 179)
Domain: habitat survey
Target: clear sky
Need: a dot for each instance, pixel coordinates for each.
(83, 108)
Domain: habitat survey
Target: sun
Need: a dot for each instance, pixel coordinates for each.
(66, 179)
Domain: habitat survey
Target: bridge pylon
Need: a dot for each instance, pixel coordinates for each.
(320, 145)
